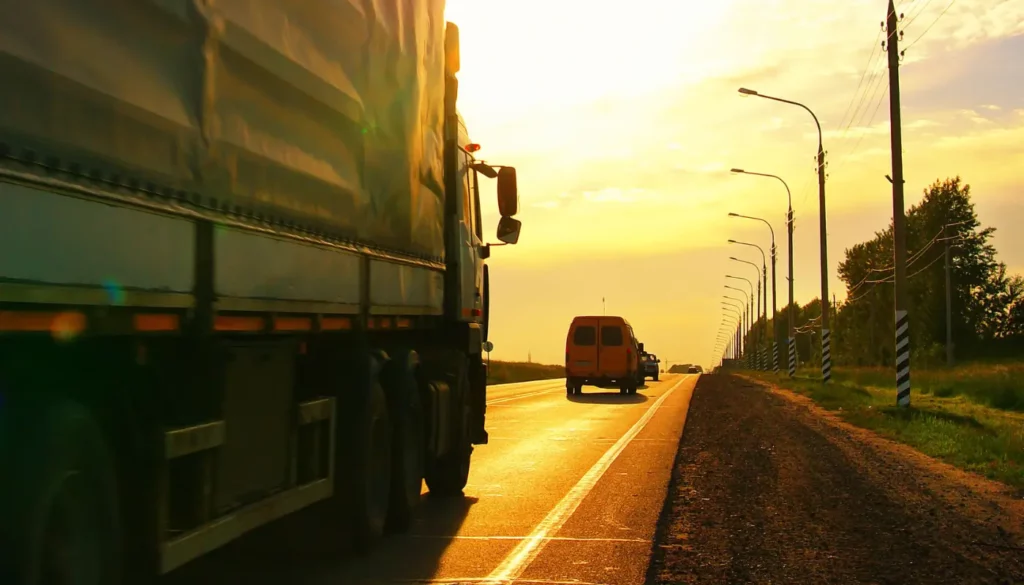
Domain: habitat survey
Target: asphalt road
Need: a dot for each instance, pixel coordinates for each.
(567, 491)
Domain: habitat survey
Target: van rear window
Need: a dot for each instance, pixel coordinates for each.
(584, 335)
(611, 335)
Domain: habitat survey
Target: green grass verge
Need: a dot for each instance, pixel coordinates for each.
(510, 372)
(974, 423)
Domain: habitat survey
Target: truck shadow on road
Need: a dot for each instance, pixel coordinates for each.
(271, 556)
(607, 398)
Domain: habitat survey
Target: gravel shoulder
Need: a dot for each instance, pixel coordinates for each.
(769, 488)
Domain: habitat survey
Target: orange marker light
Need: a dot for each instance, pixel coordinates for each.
(473, 147)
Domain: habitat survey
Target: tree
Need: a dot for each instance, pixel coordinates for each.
(986, 303)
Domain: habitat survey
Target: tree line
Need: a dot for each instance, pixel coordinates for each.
(987, 313)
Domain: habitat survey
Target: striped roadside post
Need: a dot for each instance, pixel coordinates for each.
(792, 357)
(902, 358)
(826, 355)
(775, 357)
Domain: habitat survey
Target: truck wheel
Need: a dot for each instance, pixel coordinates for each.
(655, 377)
(406, 409)
(370, 471)
(66, 527)
(447, 475)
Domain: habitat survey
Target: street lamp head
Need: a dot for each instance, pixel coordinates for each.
(736, 171)
(733, 242)
(746, 91)
(731, 214)
(734, 258)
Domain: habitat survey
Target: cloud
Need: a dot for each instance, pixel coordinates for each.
(623, 122)
(550, 204)
(615, 195)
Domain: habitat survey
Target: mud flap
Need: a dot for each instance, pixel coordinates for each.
(478, 388)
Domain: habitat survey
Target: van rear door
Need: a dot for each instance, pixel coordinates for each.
(581, 352)
(613, 344)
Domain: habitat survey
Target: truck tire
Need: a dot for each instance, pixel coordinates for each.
(655, 377)
(408, 437)
(369, 470)
(65, 485)
(447, 475)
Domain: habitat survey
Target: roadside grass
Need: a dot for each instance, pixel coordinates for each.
(511, 372)
(970, 416)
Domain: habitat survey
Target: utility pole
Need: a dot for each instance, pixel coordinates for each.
(757, 317)
(775, 314)
(791, 341)
(899, 220)
(949, 303)
(826, 335)
(764, 352)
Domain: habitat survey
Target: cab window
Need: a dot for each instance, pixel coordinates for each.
(467, 193)
(478, 221)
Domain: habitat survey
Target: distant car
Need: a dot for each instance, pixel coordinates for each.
(650, 366)
(693, 370)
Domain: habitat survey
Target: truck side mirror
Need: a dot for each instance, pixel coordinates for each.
(484, 169)
(508, 194)
(508, 229)
(641, 348)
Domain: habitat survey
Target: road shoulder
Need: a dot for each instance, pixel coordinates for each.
(767, 487)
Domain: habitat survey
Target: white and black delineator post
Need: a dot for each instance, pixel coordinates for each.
(826, 354)
(792, 356)
(899, 219)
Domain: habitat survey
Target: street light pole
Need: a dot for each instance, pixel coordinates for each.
(775, 294)
(742, 292)
(749, 284)
(757, 314)
(739, 315)
(764, 276)
(791, 338)
(826, 345)
(751, 297)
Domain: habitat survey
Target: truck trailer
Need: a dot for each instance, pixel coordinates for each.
(241, 276)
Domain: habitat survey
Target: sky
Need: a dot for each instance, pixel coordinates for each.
(623, 120)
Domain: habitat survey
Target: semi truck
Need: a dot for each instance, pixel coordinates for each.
(242, 276)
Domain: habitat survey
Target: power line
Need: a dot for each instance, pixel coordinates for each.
(878, 97)
(867, 66)
(937, 18)
(889, 279)
(922, 10)
(911, 260)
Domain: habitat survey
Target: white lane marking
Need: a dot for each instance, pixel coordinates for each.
(549, 538)
(475, 581)
(527, 550)
(526, 384)
(518, 396)
(556, 388)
